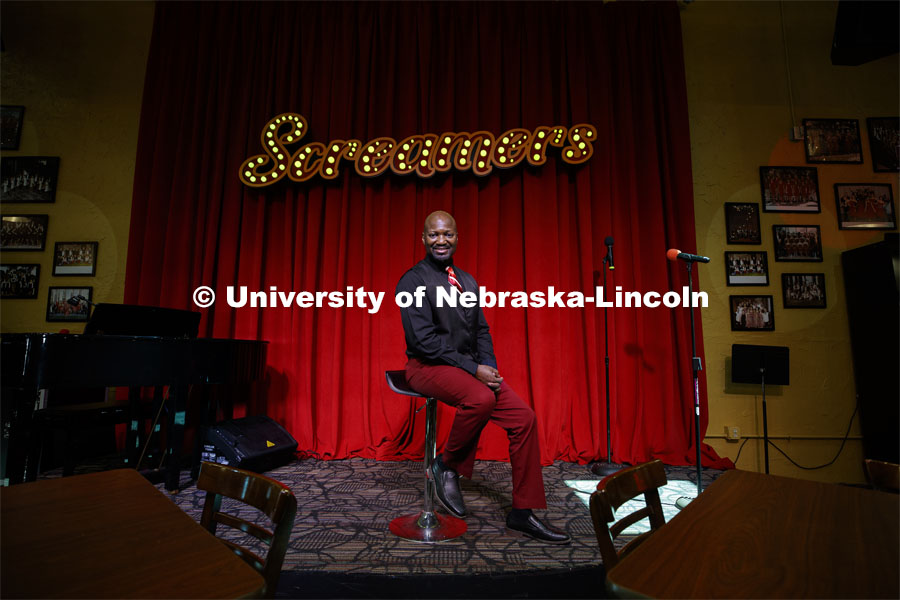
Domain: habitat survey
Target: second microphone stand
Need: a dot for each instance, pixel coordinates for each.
(606, 468)
(696, 367)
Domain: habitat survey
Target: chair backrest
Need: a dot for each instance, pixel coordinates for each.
(272, 498)
(614, 491)
(883, 476)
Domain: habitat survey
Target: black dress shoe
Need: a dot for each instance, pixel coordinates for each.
(533, 527)
(446, 485)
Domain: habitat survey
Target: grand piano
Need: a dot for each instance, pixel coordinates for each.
(105, 357)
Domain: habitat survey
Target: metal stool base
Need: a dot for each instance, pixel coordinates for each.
(428, 527)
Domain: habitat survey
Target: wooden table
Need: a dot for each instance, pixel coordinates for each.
(111, 535)
(751, 535)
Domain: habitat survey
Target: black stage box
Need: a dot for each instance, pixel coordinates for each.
(254, 443)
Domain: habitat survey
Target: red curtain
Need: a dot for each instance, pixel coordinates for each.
(217, 72)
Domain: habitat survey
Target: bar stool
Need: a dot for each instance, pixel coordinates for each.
(426, 526)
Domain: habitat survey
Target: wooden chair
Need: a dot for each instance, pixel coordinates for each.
(614, 491)
(271, 497)
(883, 476)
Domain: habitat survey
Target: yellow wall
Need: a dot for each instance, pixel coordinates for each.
(78, 68)
(740, 120)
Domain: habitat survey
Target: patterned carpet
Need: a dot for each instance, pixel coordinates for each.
(342, 548)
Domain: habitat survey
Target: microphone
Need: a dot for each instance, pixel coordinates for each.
(674, 255)
(609, 255)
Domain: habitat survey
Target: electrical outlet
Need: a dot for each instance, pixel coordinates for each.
(732, 433)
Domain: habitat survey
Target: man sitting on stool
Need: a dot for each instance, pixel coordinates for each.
(451, 358)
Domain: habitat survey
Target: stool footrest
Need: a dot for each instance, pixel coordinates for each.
(428, 527)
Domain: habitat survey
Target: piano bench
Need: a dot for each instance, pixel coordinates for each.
(73, 421)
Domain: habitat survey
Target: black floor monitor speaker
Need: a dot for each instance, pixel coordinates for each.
(254, 443)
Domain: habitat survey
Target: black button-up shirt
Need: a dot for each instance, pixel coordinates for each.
(459, 337)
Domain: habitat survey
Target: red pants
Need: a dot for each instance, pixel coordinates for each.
(476, 404)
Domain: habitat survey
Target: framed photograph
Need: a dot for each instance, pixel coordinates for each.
(832, 141)
(747, 268)
(75, 258)
(752, 313)
(28, 178)
(60, 309)
(742, 223)
(803, 290)
(19, 281)
(11, 118)
(23, 232)
(797, 243)
(884, 142)
(865, 206)
(790, 189)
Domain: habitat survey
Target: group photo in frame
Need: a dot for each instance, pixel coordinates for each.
(75, 258)
(60, 309)
(11, 119)
(832, 141)
(790, 189)
(803, 290)
(752, 313)
(742, 223)
(884, 143)
(23, 232)
(797, 243)
(28, 178)
(19, 281)
(865, 206)
(747, 268)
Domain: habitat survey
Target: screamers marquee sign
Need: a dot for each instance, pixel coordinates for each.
(424, 154)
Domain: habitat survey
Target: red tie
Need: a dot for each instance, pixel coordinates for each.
(451, 277)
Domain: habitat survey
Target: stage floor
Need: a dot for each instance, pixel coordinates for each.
(341, 546)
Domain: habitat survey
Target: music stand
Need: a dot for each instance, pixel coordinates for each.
(131, 319)
(761, 364)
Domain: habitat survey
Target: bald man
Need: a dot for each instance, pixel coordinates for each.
(451, 358)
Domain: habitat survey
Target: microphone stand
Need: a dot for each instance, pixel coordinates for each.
(606, 468)
(696, 367)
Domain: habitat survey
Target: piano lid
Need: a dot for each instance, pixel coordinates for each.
(131, 319)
